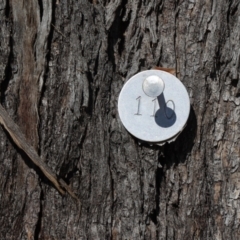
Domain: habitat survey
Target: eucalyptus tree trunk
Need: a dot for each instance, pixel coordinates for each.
(62, 66)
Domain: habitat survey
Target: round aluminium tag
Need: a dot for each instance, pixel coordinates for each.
(154, 106)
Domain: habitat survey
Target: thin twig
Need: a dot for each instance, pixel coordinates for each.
(59, 31)
(18, 137)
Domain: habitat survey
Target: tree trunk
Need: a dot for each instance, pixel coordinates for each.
(62, 66)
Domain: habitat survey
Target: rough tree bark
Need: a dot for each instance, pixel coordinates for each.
(62, 66)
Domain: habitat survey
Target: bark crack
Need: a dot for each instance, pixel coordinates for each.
(40, 215)
(8, 73)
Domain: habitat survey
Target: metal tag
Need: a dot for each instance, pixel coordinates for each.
(154, 106)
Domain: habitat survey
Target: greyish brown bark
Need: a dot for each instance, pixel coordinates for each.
(62, 66)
